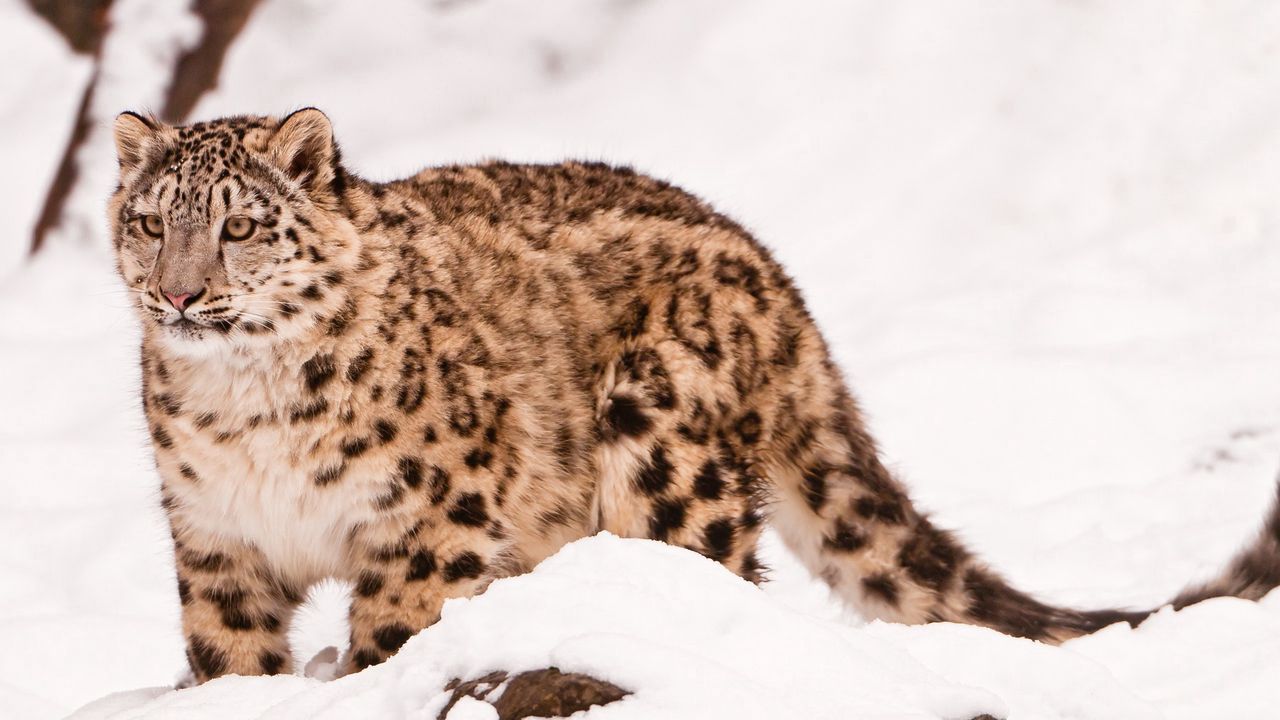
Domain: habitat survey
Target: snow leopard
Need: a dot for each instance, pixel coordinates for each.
(421, 386)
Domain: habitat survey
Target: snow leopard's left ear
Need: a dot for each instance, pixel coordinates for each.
(304, 148)
(135, 138)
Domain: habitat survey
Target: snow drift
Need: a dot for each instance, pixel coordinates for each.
(691, 640)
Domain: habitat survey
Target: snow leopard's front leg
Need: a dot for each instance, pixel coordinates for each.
(411, 562)
(235, 614)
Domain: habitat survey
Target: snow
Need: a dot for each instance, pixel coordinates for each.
(692, 640)
(681, 631)
(1042, 238)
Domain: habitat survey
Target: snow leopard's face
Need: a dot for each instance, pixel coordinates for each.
(226, 233)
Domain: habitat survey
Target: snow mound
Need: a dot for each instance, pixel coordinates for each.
(689, 639)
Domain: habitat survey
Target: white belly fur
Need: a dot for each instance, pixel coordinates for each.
(256, 491)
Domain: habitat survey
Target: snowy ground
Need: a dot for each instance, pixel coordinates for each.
(1043, 237)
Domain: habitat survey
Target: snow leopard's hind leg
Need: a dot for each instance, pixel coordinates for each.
(676, 463)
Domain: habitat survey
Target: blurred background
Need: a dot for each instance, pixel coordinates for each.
(1043, 237)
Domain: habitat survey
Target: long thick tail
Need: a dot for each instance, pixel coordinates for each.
(1254, 571)
(852, 524)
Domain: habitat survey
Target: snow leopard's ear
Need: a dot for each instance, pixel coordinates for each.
(135, 137)
(303, 147)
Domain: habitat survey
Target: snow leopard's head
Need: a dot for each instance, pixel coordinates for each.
(230, 233)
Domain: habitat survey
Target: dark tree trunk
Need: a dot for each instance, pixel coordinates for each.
(82, 22)
(198, 68)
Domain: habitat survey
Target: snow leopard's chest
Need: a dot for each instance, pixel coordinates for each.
(263, 475)
(261, 489)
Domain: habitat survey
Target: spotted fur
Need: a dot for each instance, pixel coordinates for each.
(423, 385)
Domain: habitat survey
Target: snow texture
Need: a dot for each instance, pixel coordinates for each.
(1042, 237)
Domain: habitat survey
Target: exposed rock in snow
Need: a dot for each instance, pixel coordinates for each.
(545, 693)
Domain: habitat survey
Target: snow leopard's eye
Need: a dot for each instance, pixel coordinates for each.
(237, 228)
(152, 225)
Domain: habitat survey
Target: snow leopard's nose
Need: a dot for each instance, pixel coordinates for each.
(182, 300)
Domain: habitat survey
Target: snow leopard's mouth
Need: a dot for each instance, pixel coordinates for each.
(186, 327)
(195, 327)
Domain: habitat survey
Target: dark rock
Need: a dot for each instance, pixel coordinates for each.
(545, 693)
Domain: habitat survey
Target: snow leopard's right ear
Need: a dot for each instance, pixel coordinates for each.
(135, 136)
